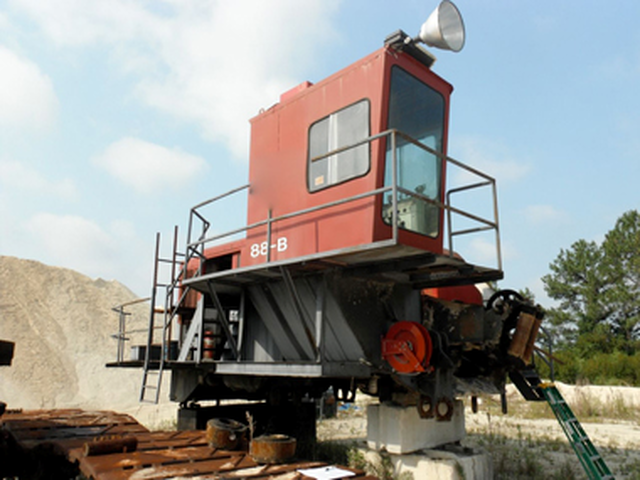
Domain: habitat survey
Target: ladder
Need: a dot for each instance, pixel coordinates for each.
(153, 368)
(592, 463)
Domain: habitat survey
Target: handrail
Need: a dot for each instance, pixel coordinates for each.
(196, 245)
(198, 236)
(117, 308)
(220, 197)
(290, 215)
(121, 336)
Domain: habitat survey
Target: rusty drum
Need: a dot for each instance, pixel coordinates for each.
(274, 448)
(225, 433)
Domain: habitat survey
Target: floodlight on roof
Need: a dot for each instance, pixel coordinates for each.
(444, 28)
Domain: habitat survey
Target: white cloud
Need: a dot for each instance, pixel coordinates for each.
(82, 22)
(27, 97)
(537, 287)
(148, 167)
(20, 177)
(74, 242)
(112, 252)
(4, 22)
(484, 251)
(214, 63)
(491, 158)
(228, 63)
(542, 214)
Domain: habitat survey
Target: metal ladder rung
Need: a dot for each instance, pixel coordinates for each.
(178, 262)
(593, 463)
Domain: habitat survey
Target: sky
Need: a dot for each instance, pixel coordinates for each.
(117, 117)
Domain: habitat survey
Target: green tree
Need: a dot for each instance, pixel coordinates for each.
(577, 282)
(621, 249)
(598, 290)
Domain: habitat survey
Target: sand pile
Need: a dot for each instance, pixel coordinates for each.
(62, 322)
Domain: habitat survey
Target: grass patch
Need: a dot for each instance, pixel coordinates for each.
(630, 468)
(525, 457)
(336, 452)
(586, 406)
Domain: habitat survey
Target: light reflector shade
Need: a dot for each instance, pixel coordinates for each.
(444, 28)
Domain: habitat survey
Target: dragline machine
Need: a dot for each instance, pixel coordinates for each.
(345, 274)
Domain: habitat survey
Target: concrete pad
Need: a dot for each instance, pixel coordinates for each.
(450, 462)
(400, 430)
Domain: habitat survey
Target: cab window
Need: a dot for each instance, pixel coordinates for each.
(340, 129)
(416, 110)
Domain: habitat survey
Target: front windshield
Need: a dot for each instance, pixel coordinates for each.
(418, 111)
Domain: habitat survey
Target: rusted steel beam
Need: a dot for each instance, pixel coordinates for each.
(158, 455)
(104, 446)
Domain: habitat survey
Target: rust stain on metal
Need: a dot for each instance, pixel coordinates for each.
(273, 448)
(159, 455)
(225, 433)
(106, 445)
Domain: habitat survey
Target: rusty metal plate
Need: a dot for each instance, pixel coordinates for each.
(159, 455)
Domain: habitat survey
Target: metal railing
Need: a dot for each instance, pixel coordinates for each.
(122, 335)
(197, 237)
(485, 224)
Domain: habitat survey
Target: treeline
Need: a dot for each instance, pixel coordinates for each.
(596, 323)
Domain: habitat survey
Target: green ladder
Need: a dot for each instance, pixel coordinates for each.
(589, 457)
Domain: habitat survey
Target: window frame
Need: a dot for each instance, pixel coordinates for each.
(314, 189)
(439, 168)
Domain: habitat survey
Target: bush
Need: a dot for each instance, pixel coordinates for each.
(615, 368)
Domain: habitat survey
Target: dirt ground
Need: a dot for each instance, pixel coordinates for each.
(528, 442)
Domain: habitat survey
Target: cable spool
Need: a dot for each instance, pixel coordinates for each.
(407, 347)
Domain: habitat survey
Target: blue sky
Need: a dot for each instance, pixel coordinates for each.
(116, 117)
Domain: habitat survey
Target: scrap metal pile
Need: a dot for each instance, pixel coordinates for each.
(103, 445)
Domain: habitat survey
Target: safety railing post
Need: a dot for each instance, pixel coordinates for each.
(394, 191)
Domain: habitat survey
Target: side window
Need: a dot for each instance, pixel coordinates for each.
(340, 129)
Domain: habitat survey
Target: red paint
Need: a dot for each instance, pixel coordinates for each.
(407, 347)
(278, 167)
(465, 294)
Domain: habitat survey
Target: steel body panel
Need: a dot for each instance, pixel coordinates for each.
(278, 166)
(350, 318)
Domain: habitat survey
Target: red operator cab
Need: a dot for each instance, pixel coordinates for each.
(321, 176)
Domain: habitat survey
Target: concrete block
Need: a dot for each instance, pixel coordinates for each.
(400, 430)
(447, 463)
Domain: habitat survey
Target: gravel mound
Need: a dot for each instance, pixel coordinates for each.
(61, 322)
